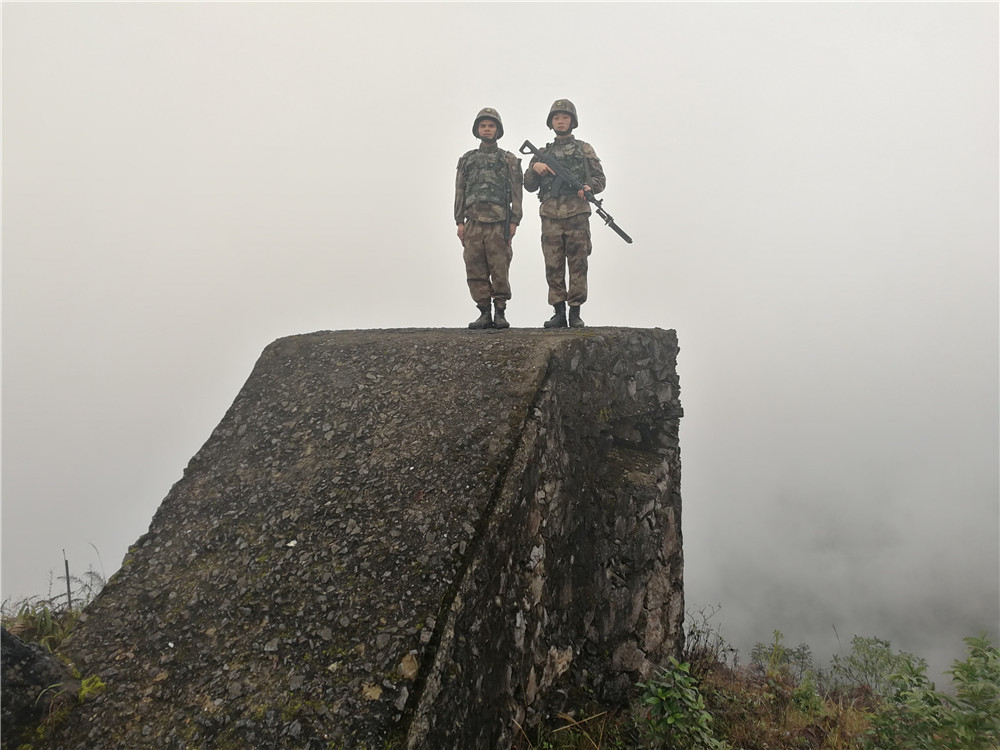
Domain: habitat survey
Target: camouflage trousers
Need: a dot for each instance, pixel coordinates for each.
(487, 262)
(566, 246)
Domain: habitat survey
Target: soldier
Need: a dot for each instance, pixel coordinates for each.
(565, 213)
(487, 211)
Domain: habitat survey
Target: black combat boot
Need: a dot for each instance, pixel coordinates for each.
(484, 320)
(499, 321)
(574, 317)
(559, 319)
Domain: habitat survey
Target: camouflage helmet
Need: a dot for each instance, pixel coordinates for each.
(566, 107)
(488, 113)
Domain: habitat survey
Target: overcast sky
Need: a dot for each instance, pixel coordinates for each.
(812, 190)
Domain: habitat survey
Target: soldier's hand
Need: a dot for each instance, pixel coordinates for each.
(585, 187)
(513, 230)
(461, 232)
(542, 168)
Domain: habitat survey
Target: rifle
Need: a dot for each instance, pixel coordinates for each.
(506, 221)
(562, 174)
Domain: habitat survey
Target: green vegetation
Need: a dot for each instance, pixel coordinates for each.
(676, 710)
(871, 699)
(917, 716)
(90, 686)
(49, 621)
(872, 663)
(39, 622)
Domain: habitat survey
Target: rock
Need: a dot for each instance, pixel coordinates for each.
(34, 682)
(409, 667)
(408, 537)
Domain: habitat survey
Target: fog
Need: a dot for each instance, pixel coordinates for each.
(813, 193)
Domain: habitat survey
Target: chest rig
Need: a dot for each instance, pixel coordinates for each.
(570, 154)
(486, 178)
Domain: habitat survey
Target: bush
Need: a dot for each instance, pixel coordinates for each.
(872, 664)
(776, 660)
(704, 647)
(918, 717)
(676, 710)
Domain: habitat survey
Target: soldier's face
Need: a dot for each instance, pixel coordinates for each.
(487, 130)
(561, 122)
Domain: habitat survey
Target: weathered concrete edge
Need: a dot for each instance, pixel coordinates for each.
(528, 443)
(503, 500)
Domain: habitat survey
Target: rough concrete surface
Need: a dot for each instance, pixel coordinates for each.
(401, 538)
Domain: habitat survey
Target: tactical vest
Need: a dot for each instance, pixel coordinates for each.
(486, 178)
(570, 154)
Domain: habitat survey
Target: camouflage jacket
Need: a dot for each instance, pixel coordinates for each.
(580, 160)
(488, 180)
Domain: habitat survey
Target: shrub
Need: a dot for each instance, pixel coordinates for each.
(872, 664)
(676, 710)
(704, 647)
(918, 717)
(805, 697)
(776, 660)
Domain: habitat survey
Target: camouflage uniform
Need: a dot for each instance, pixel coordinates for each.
(566, 217)
(488, 181)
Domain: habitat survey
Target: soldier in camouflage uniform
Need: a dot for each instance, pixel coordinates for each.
(565, 213)
(487, 212)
